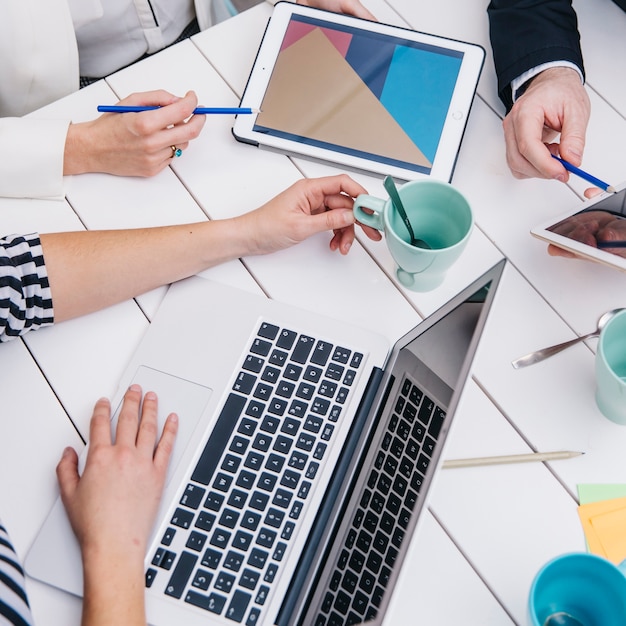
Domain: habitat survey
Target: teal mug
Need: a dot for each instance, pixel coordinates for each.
(611, 369)
(440, 216)
(578, 589)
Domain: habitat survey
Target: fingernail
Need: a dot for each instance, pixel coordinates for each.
(67, 451)
(560, 178)
(135, 387)
(150, 395)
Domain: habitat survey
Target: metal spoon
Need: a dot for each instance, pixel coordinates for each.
(562, 619)
(390, 186)
(540, 355)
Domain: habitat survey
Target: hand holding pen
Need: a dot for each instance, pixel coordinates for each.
(134, 145)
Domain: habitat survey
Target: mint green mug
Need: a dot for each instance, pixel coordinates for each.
(611, 369)
(439, 215)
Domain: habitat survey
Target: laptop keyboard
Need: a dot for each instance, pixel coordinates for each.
(247, 496)
(363, 567)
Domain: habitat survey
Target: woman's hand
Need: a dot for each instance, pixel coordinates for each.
(350, 7)
(112, 506)
(133, 144)
(308, 207)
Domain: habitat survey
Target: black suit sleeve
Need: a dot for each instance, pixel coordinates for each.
(527, 33)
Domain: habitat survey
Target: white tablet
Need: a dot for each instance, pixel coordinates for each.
(361, 94)
(597, 231)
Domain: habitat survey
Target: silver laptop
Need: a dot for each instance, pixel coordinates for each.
(305, 453)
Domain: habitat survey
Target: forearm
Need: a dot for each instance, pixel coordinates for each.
(91, 270)
(114, 591)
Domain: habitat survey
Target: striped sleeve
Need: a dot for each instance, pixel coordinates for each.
(25, 299)
(14, 608)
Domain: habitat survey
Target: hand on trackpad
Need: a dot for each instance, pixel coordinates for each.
(176, 395)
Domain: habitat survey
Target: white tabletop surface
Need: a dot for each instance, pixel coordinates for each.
(488, 529)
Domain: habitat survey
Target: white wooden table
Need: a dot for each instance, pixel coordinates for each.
(489, 529)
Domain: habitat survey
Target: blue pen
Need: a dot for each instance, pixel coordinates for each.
(105, 108)
(584, 175)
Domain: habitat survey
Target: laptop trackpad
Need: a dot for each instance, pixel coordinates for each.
(176, 395)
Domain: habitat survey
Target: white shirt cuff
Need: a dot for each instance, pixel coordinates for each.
(516, 83)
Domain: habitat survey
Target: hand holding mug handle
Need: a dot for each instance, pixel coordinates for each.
(374, 219)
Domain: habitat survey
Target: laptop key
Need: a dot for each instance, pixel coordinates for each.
(202, 579)
(150, 576)
(249, 579)
(220, 538)
(238, 605)
(211, 558)
(244, 382)
(322, 352)
(224, 582)
(278, 407)
(360, 602)
(270, 573)
(192, 496)
(286, 339)
(258, 558)
(233, 561)
(374, 561)
(268, 331)
(181, 574)
(253, 617)
(262, 594)
(367, 581)
(242, 540)
(260, 347)
(357, 359)
(342, 602)
(213, 602)
(327, 602)
(213, 501)
(164, 558)
(279, 551)
(168, 536)
(352, 619)
(342, 355)
(292, 372)
(334, 619)
(182, 518)
(218, 440)
(196, 541)
(250, 520)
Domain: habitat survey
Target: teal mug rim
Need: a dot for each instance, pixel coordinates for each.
(382, 215)
(391, 231)
(620, 568)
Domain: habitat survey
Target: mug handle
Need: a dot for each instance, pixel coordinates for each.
(375, 219)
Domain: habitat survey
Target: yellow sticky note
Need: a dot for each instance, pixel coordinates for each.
(610, 529)
(606, 535)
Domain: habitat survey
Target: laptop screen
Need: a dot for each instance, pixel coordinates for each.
(371, 518)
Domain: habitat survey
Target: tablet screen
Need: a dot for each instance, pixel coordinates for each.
(360, 93)
(602, 225)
